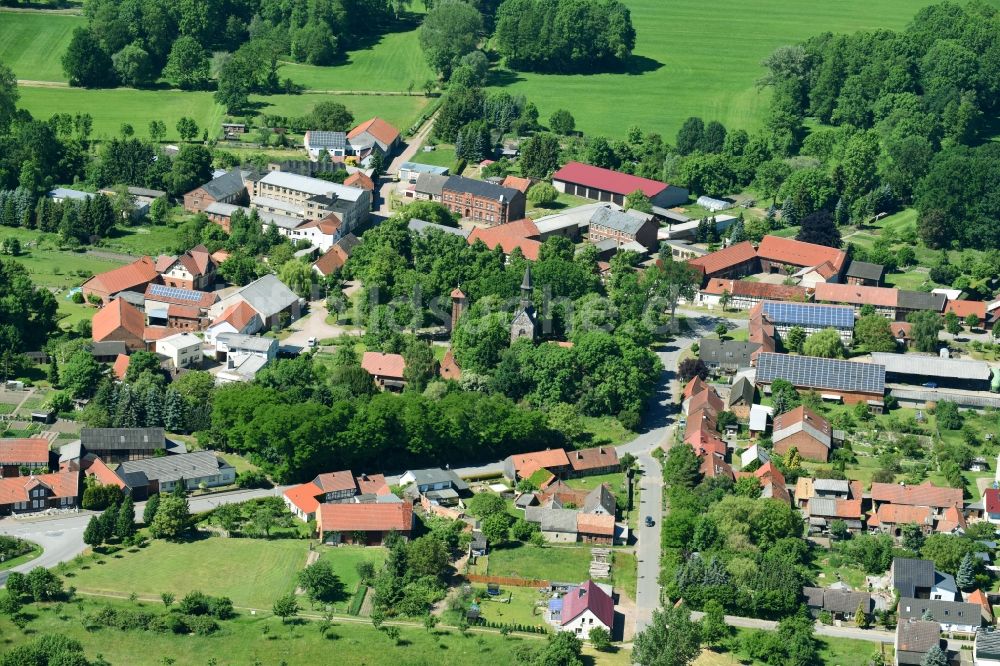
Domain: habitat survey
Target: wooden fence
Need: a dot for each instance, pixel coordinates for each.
(507, 580)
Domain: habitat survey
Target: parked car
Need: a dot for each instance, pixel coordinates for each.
(312, 342)
(930, 385)
(649, 521)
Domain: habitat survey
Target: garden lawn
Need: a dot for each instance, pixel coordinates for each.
(850, 574)
(142, 239)
(252, 572)
(345, 560)
(615, 480)
(605, 431)
(110, 108)
(839, 651)
(569, 564)
(442, 155)
(520, 610)
(32, 43)
(264, 639)
(693, 62)
(624, 573)
(399, 110)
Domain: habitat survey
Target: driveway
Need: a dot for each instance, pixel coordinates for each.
(408, 153)
(314, 325)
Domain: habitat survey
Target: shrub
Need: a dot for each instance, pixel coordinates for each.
(221, 608)
(252, 479)
(194, 603)
(201, 625)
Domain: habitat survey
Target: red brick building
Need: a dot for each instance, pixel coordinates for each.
(734, 261)
(804, 430)
(482, 201)
(623, 227)
(119, 321)
(364, 524)
(131, 277)
(228, 188)
(32, 453)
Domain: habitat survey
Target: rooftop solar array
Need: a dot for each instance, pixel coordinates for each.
(821, 373)
(174, 292)
(813, 316)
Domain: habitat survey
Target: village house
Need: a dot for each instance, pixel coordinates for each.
(963, 309)
(952, 616)
(372, 135)
(733, 262)
(919, 301)
(29, 453)
(726, 355)
(116, 445)
(228, 188)
(482, 201)
(183, 350)
(523, 465)
(334, 259)
(304, 499)
(410, 171)
(176, 308)
(428, 187)
(437, 486)
(810, 317)
(623, 228)
(237, 318)
(788, 256)
(823, 501)
(745, 295)
(850, 381)
(200, 469)
(914, 638)
(804, 430)
(314, 199)
(119, 321)
(883, 299)
(193, 270)
(518, 235)
(33, 493)
(591, 182)
(841, 604)
(244, 356)
(387, 370)
(363, 524)
(276, 304)
(130, 277)
(741, 398)
(918, 579)
(582, 609)
(986, 651)
(864, 273)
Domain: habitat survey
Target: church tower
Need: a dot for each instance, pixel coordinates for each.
(525, 323)
(459, 302)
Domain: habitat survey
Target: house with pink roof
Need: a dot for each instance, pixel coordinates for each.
(582, 608)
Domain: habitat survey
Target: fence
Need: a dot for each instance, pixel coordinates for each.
(507, 580)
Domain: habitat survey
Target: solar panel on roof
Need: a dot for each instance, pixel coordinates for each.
(816, 316)
(174, 292)
(826, 373)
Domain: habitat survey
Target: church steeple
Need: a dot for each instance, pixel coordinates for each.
(524, 324)
(526, 288)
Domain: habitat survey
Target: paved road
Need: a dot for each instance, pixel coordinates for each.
(412, 146)
(314, 325)
(61, 537)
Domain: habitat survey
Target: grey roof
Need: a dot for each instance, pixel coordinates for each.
(133, 479)
(557, 520)
(832, 485)
(909, 573)
(921, 300)
(931, 365)
(268, 295)
(917, 636)
(480, 188)
(618, 220)
(65, 193)
(122, 439)
(601, 496)
(430, 183)
(845, 601)
(110, 348)
(526, 500)
(224, 209)
(432, 475)
(823, 506)
(423, 168)
(421, 226)
(578, 216)
(944, 612)
(865, 271)
(255, 343)
(945, 581)
(962, 399)
(814, 596)
(742, 391)
(822, 373)
(69, 451)
(325, 139)
(227, 185)
(172, 468)
(478, 540)
(728, 352)
(987, 644)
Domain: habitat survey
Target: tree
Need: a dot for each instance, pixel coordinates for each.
(639, 201)
(44, 584)
(690, 368)
(795, 339)
(924, 329)
(171, 519)
(966, 577)
(562, 122)
(971, 321)
(188, 64)
(721, 329)
(8, 97)
(542, 194)
(93, 534)
(187, 128)
(167, 598)
(80, 374)
(430, 621)
(450, 30)
(320, 582)
(873, 332)
(496, 528)
(157, 131)
(421, 367)
(784, 397)
(819, 228)
(672, 639)
(286, 607)
(539, 155)
(691, 135)
(125, 522)
(952, 324)
(600, 638)
(562, 649)
(825, 344)
(149, 511)
(713, 627)
(330, 116)
(838, 529)
(485, 504)
(17, 585)
(191, 167)
(85, 61)
(912, 537)
(133, 65)
(681, 468)
(935, 657)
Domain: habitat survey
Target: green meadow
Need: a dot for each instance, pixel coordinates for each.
(32, 43)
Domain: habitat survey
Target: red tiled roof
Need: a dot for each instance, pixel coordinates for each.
(696, 385)
(219, 256)
(897, 514)
(137, 274)
(365, 517)
(304, 496)
(183, 312)
(378, 128)
(965, 308)
(332, 261)
(595, 523)
(359, 179)
(384, 365)
(705, 442)
(713, 466)
(517, 183)
(526, 464)
(799, 253)
(237, 315)
(900, 329)
(93, 466)
(518, 234)
(950, 520)
(799, 415)
(26, 450)
(724, 259)
(205, 298)
(372, 484)
(164, 262)
(992, 499)
(329, 225)
(449, 367)
(457, 293)
(607, 180)
(15, 488)
(598, 457)
(332, 482)
(708, 399)
(151, 333)
(856, 294)
(925, 494)
(120, 368)
(118, 314)
(588, 597)
(978, 597)
(761, 290)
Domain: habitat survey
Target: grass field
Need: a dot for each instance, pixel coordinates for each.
(565, 564)
(32, 43)
(400, 110)
(838, 651)
(693, 60)
(252, 572)
(521, 609)
(345, 560)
